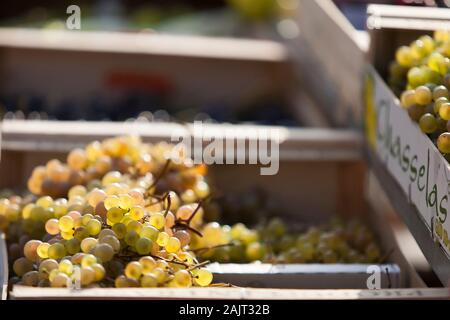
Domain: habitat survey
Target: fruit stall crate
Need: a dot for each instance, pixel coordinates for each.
(119, 75)
(390, 27)
(322, 173)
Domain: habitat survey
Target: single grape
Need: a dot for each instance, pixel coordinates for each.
(157, 220)
(60, 280)
(66, 267)
(443, 143)
(112, 241)
(66, 223)
(423, 95)
(404, 56)
(428, 123)
(183, 236)
(202, 277)
(22, 266)
(115, 214)
(143, 246)
(87, 244)
(31, 278)
(444, 111)
(120, 230)
(173, 245)
(104, 252)
(183, 279)
(149, 281)
(137, 213)
(163, 239)
(94, 227)
(72, 246)
(30, 250)
(133, 270)
(87, 275)
(131, 237)
(148, 264)
(42, 250)
(56, 251)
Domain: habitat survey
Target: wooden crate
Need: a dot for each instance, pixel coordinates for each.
(392, 26)
(324, 176)
(330, 57)
(194, 70)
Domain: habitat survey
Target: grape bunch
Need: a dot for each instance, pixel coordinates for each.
(421, 77)
(335, 242)
(138, 219)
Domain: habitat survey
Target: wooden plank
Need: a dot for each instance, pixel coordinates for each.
(3, 268)
(331, 60)
(431, 249)
(21, 292)
(144, 43)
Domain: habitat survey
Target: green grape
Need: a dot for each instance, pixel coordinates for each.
(87, 275)
(440, 92)
(88, 260)
(106, 232)
(81, 233)
(77, 191)
(125, 201)
(185, 211)
(104, 252)
(157, 220)
(31, 278)
(163, 239)
(418, 50)
(423, 95)
(173, 245)
(26, 211)
(44, 202)
(124, 282)
(115, 214)
(442, 36)
(112, 241)
(99, 271)
(134, 226)
(137, 213)
(183, 236)
(188, 196)
(159, 274)
(42, 250)
(276, 227)
(148, 264)
(95, 197)
(56, 251)
(428, 43)
(201, 189)
(149, 281)
(133, 270)
(120, 230)
(77, 257)
(60, 280)
(443, 143)
(143, 246)
(94, 227)
(416, 112)
(46, 267)
(66, 223)
(65, 266)
(255, 251)
(86, 218)
(428, 123)
(131, 237)
(202, 277)
(182, 278)
(436, 62)
(111, 201)
(404, 56)
(67, 235)
(37, 213)
(87, 244)
(53, 274)
(444, 111)
(150, 232)
(30, 250)
(22, 266)
(111, 177)
(72, 246)
(437, 104)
